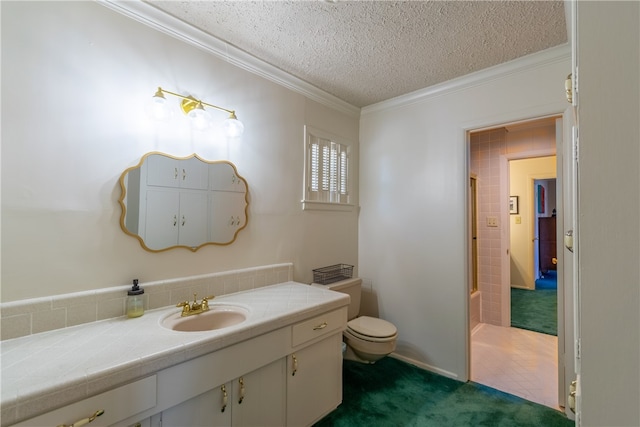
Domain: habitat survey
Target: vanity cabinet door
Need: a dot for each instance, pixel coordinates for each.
(255, 399)
(314, 381)
(262, 394)
(207, 409)
(115, 405)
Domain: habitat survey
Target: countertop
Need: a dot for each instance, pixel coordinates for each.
(45, 371)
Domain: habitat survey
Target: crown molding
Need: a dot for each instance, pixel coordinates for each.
(532, 61)
(165, 23)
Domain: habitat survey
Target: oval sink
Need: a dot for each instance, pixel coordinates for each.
(217, 317)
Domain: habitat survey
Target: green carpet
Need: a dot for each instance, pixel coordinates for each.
(535, 310)
(394, 393)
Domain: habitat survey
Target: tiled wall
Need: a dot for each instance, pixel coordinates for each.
(486, 150)
(475, 307)
(31, 316)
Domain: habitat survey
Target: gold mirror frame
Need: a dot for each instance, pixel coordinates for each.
(239, 189)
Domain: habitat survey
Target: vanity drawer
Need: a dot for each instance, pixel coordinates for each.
(319, 326)
(117, 404)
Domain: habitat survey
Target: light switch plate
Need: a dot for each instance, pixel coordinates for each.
(492, 221)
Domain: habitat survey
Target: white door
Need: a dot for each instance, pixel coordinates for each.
(568, 309)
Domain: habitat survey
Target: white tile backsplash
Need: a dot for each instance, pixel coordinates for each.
(26, 317)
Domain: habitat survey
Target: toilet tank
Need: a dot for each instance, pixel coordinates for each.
(352, 287)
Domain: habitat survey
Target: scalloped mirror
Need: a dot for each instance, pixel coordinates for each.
(169, 202)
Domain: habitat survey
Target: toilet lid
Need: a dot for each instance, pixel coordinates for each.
(372, 327)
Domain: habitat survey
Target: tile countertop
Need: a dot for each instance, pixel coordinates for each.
(45, 371)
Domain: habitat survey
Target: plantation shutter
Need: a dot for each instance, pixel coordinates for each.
(328, 171)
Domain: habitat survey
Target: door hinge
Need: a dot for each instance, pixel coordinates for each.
(578, 345)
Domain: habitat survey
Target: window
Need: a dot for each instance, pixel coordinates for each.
(327, 165)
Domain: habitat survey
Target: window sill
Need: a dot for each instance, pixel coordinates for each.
(308, 205)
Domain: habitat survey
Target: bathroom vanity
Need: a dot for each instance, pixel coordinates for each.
(281, 366)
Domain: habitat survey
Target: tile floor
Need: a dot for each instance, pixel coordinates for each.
(516, 361)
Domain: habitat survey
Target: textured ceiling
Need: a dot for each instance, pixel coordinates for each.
(365, 52)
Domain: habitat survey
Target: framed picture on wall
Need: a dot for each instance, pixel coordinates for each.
(513, 205)
(540, 199)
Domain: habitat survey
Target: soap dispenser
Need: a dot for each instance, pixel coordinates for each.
(135, 300)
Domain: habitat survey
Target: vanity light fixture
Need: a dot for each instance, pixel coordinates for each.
(194, 109)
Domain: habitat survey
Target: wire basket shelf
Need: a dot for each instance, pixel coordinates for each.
(332, 273)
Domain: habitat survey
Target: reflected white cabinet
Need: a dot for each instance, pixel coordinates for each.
(174, 218)
(227, 215)
(225, 179)
(186, 202)
(165, 171)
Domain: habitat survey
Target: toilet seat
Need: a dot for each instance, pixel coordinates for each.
(372, 329)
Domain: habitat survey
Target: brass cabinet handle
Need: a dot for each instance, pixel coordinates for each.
(241, 397)
(224, 398)
(320, 326)
(294, 367)
(84, 420)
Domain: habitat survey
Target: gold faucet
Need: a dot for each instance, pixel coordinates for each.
(189, 309)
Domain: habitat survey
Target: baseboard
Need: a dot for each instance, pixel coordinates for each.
(425, 366)
(477, 328)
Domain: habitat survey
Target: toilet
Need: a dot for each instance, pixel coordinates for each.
(368, 339)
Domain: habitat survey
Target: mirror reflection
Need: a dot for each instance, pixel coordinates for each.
(190, 202)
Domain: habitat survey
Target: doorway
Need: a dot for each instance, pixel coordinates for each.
(532, 187)
(490, 153)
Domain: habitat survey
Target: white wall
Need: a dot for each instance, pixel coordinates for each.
(75, 81)
(609, 204)
(414, 174)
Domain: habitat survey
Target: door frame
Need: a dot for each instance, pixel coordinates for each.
(552, 109)
(535, 229)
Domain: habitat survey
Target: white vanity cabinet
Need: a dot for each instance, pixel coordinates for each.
(255, 399)
(117, 405)
(290, 376)
(316, 388)
(314, 373)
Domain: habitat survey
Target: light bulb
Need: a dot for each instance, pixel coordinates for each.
(233, 127)
(158, 108)
(200, 118)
